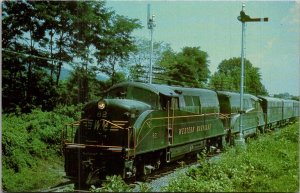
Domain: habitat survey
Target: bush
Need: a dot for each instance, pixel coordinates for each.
(29, 140)
(112, 184)
(44, 174)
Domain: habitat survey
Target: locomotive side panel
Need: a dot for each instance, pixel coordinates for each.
(273, 111)
(185, 123)
(229, 107)
(253, 119)
(252, 116)
(288, 109)
(296, 109)
(151, 132)
(199, 124)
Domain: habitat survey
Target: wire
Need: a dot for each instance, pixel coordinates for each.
(33, 56)
(163, 77)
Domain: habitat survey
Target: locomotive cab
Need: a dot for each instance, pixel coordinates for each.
(103, 142)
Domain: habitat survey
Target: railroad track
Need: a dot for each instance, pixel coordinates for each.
(59, 187)
(156, 174)
(164, 171)
(167, 169)
(170, 168)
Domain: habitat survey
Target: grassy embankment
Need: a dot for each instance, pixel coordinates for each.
(269, 164)
(31, 159)
(31, 153)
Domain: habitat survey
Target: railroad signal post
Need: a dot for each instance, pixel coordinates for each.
(244, 18)
(151, 25)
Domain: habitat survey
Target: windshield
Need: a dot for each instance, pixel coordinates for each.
(117, 93)
(134, 93)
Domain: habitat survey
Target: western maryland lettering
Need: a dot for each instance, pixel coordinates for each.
(192, 129)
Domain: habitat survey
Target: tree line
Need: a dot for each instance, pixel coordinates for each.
(40, 37)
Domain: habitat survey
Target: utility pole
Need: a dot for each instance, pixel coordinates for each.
(244, 18)
(151, 25)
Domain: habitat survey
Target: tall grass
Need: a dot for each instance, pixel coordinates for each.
(269, 164)
(31, 153)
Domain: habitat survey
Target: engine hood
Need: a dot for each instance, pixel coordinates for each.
(126, 104)
(115, 106)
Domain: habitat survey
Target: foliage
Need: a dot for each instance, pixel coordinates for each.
(43, 174)
(31, 145)
(112, 184)
(286, 96)
(186, 68)
(269, 164)
(143, 187)
(74, 89)
(139, 60)
(119, 45)
(296, 98)
(116, 184)
(228, 77)
(39, 37)
(69, 189)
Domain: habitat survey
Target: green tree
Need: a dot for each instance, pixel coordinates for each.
(228, 77)
(296, 98)
(118, 45)
(57, 22)
(24, 77)
(139, 60)
(286, 96)
(40, 37)
(71, 91)
(186, 68)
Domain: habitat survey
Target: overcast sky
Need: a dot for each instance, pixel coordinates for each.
(213, 26)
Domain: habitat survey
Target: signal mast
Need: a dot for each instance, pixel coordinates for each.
(151, 25)
(244, 18)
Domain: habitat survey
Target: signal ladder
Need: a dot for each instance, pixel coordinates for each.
(170, 134)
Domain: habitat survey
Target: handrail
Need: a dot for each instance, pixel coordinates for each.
(77, 123)
(224, 116)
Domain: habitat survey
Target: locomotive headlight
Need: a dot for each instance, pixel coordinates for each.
(101, 105)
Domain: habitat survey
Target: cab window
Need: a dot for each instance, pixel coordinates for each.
(145, 96)
(117, 93)
(192, 104)
(247, 104)
(169, 102)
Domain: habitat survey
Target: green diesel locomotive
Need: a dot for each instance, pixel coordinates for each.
(137, 128)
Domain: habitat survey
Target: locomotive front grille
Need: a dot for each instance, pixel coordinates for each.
(103, 132)
(87, 124)
(118, 124)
